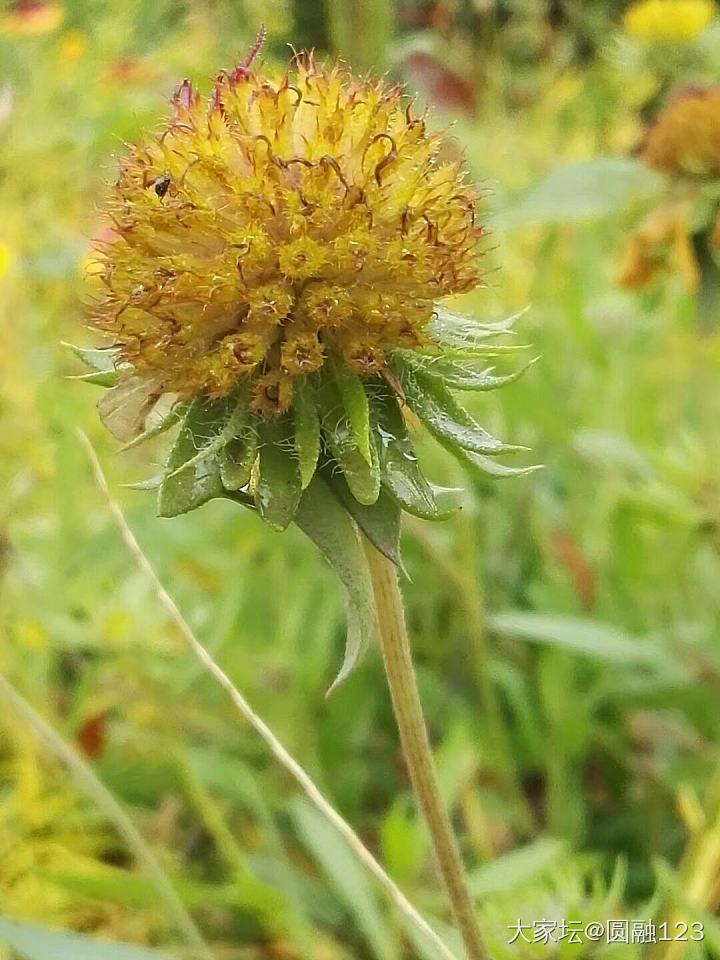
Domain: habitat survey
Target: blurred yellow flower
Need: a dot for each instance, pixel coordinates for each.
(31, 634)
(71, 46)
(668, 21)
(30, 17)
(566, 88)
(685, 138)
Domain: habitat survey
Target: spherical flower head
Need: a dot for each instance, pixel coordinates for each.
(290, 219)
(685, 138)
(269, 285)
(658, 22)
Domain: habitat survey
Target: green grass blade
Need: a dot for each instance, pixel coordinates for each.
(39, 943)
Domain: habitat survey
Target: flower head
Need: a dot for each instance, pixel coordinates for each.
(685, 138)
(270, 282)
(668, 21)
(680, 234)
(291, 219)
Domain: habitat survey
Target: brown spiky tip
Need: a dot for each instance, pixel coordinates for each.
(290, 219)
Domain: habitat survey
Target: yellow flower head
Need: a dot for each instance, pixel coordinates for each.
(668, 21)
(269, 277)
(685, 138)
(290, 220)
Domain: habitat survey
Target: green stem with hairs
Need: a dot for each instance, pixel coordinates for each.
(416, 744)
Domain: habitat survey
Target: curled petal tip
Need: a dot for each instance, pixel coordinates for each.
(184, 94)
(216, 103)
(242, 70)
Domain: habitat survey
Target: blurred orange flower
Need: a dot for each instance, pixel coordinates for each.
(71, 46)
(685, 138)
(31, 17)
(662, 242)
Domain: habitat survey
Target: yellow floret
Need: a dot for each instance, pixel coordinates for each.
(289, 219)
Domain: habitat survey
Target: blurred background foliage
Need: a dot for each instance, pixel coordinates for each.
(565, 624)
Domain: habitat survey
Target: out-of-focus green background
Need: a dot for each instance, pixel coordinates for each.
(565, 624)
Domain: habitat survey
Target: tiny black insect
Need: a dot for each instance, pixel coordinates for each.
(161, 185)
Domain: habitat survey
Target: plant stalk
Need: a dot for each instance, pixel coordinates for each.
(277, 750)
(416, 744)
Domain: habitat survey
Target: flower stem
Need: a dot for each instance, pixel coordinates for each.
(416, 745)
(277, 750)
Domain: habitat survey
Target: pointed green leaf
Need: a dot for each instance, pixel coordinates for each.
(103, 362)
(230, 417)
(183, 490)
(490, 466)
(109, 379)
(38, 943)
(362, 477)
(237, 457)
(98, 359)
(380, 522)
(151, 483)
(278, 487)
(459, 374)
(307, 429)
(400, 470)
(355, 402)
(579, 635)
(443, 415)
(321, 516)
(467, 335)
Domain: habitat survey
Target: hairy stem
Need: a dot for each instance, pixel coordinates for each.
(416, 745)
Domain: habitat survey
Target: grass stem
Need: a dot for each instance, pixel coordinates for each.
(416, 745)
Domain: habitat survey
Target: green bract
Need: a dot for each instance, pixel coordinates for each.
(341, 460)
